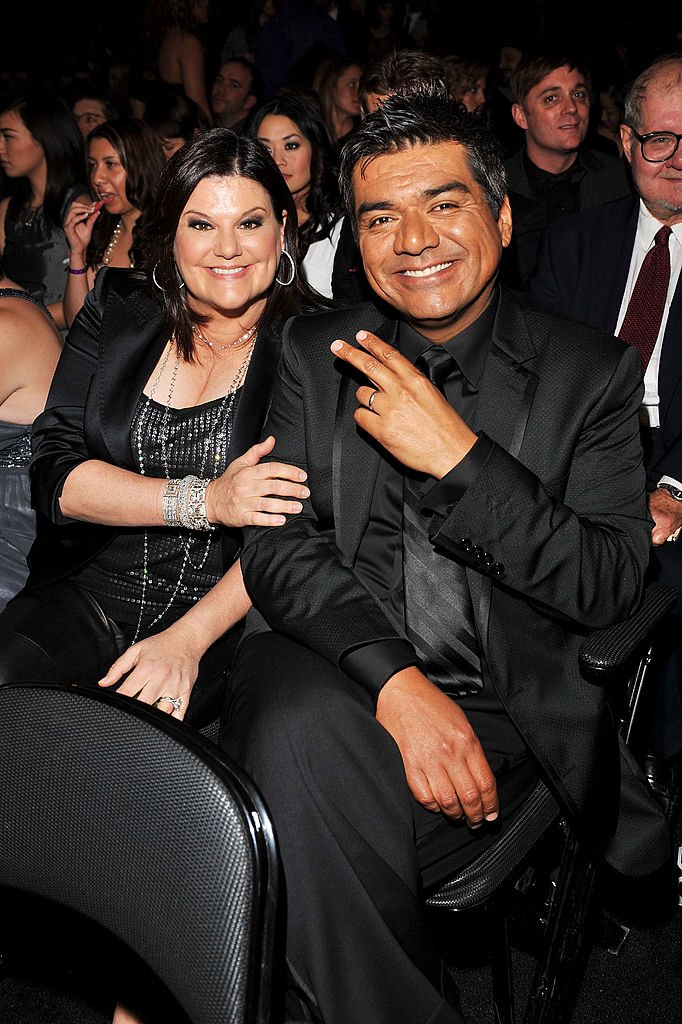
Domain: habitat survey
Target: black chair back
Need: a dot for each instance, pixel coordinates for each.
(132, 819)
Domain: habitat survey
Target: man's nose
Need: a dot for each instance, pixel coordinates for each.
(415, 233)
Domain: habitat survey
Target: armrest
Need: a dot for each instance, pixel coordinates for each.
(608, 649)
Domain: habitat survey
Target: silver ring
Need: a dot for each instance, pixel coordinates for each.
(175, 701)
(370, 402)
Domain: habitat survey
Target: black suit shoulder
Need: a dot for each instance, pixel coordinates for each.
(328, 325)
(602, 220)
(569, 347)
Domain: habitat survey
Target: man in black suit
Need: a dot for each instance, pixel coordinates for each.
(587, 268)
(554, 173)
(427, 605)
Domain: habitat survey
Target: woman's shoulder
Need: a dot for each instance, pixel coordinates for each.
(126, 287)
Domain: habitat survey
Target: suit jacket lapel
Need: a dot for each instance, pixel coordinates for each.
(355, 459)
(611, 275)
(256, 395)
(128, 357)
(505, 399)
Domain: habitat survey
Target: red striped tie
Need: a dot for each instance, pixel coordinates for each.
(645, 309)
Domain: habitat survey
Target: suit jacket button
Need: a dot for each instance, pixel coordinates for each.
(477, 552)
(487, 558)
(497, 569)
(466, 544)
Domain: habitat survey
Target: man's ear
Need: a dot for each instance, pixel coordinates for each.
(627, 138)
(504, 222)
(519, 116)
(249, 102)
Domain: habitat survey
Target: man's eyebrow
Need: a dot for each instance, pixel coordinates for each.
(450, 186)
(428, 193)
(368, 207)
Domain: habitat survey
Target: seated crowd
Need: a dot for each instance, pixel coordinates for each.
(343, 423)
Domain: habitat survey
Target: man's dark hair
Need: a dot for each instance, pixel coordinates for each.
(534, 68)
(393, 71)
(256, 87)
(422, 116)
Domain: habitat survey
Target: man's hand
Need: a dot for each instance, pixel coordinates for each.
(445, 766)
(408, 415)
(666, 513)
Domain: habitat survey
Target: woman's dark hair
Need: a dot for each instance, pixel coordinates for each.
(216, 153)
(323, 201)
(50, 121)
(139, 151)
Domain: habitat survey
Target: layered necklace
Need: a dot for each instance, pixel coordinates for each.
(241, 340)
(221, 447)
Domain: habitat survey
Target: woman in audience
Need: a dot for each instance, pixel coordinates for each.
(145, 462)
(337, 83)
(41, 152)
(172, 34)
(30, 345)
(175, 120)
(292, 129)
(466, 80)
(124, 164)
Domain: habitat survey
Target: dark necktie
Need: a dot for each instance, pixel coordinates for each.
(645, 309)
(438, 613)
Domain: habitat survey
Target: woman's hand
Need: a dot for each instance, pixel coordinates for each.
(78, 225)
(164, 665)
(253, 494)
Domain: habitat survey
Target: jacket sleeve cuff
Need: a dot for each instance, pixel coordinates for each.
(445, 493)
(373, 664)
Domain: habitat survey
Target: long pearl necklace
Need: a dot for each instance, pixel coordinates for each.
(221, 453)
(115, 235)
(246, 336)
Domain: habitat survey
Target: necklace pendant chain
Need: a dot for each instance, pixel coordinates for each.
(220, 454)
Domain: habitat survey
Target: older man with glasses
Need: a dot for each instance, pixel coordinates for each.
(617, 267)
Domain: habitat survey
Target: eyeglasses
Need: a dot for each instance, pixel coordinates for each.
(657, 146)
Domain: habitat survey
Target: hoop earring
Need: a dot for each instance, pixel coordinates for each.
(181, 283)
(155, 281)
(285, 284)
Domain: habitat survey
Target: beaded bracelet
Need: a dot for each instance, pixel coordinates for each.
(83, 270)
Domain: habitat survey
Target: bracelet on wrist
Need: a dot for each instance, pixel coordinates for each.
(78, 272)
(184, 504)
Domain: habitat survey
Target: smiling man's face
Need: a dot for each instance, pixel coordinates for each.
(556, 112)
(430, 244)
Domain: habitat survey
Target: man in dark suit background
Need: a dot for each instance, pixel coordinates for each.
(587, 268)
(554, 173)
(427, 606)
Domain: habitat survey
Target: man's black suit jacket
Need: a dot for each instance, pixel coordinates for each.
(582, 270)
(605, 179)
(553, 532)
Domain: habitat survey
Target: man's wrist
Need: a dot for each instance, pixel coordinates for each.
(674, 492)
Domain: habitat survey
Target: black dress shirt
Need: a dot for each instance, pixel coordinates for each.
(379, 558)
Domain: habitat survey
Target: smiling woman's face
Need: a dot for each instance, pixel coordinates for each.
(228, 245)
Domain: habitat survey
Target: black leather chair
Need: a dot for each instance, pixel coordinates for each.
(136, 822)
(550, 894)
